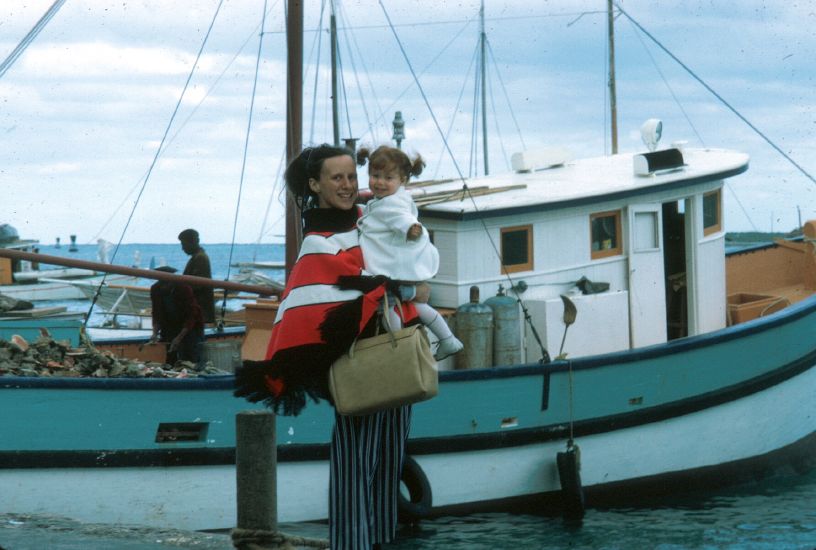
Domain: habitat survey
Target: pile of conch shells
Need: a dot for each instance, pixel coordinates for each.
(47, 357)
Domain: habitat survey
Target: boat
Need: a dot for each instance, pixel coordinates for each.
(55, 322)
(657, 397)
(23, 280)
(133, 301)
(680, 367)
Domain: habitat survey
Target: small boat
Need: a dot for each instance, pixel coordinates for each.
(270, 264)
(23, 281)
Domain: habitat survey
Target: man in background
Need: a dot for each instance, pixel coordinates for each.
(199, 266)
(177, 319)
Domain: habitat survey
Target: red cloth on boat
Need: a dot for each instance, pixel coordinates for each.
(327, 303)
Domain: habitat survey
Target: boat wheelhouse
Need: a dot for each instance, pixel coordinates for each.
(657, 241)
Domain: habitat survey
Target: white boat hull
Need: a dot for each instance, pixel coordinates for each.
(204, 497)
(58, 290)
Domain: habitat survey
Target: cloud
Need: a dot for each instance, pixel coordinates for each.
(59, 168)
(84, 108)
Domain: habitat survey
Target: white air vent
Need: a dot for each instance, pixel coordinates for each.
(665, 160)
(528, 161)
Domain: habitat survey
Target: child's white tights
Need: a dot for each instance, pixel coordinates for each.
(448, 343)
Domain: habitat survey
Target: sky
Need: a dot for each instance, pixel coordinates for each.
(84, 109)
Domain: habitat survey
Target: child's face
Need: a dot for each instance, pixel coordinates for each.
(384, 181)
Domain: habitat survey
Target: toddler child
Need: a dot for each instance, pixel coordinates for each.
(393, 241)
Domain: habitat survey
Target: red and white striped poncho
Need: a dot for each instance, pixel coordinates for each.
(327, 303)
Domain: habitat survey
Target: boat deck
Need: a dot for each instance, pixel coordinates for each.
(767, 279)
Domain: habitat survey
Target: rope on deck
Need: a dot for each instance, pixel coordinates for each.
(252, 539)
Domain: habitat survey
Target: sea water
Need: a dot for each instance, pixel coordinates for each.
(774, 514)
(224, 260)
(777, 514)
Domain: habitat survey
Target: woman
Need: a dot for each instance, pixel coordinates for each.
(316, 322)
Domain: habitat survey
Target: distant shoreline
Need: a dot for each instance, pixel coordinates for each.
(759, 236)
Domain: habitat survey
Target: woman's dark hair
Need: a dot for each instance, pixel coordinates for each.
(306, 165)
(384, 157)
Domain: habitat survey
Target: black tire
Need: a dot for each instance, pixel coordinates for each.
(420, 499)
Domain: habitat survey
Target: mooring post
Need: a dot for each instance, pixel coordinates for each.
(256, 464)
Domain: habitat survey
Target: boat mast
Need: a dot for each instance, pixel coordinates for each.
(483, 40)
(294, 119)
(335, 106)
(613, 101)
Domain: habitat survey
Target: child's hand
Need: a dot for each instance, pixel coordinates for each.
(414, 232)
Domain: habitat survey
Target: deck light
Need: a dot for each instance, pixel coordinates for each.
(651, 131)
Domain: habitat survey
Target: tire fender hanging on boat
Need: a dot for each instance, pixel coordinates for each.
(417, 505)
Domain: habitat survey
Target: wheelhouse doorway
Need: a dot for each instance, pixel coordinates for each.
(674, 267)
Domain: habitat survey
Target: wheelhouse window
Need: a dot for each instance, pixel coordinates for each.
(712, 212)
(605, 233)
(517, 248)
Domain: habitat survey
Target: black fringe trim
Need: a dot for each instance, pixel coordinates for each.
(308, 380)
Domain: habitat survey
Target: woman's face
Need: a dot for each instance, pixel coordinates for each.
(337, 186)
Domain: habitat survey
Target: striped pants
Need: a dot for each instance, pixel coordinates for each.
(366, 462)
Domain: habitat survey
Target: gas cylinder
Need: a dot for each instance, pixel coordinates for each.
(506, 329)
(474, 327)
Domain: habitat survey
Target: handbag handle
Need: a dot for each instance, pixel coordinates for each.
(385, 315)
(385, 322)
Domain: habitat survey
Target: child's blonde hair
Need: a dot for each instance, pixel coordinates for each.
(384, 157)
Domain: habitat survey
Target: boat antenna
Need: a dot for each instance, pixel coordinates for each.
(718, 96)
(244, 159)
(155, 158)
(545, 356)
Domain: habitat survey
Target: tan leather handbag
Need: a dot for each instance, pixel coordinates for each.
(384, 372)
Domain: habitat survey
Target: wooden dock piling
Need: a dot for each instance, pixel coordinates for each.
(256, 467)
(256, 462)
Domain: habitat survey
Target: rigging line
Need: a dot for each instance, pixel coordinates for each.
(606, 107)
(668, 87)
(343, 89)
(456, 109)
(422, 91)
(690, 122)
(181, 126)
(506, 95)
(424, 70)
(30, 36)
(545, 358)
(497, 125)
(718, 96)
(351, 39)
(244, 159)
(474, 125)
(739, 202)
(356, 79)
(262, 233)
(452, 21)
(317, 70)
(155, 159)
